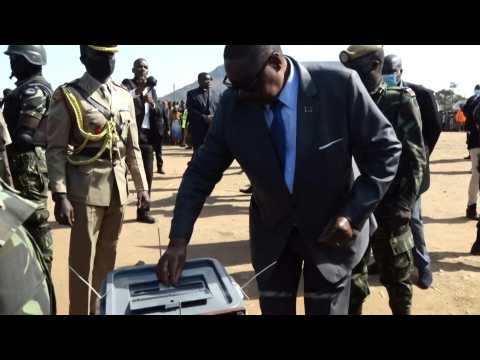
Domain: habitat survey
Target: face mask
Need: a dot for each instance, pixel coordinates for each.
(477, 92)
(100, 69)
(390, 80)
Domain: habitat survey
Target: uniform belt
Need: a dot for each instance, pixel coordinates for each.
(91, 152)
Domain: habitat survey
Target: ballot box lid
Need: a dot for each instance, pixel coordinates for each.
(204, 288)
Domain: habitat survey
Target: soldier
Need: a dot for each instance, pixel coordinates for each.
(25, 284)
(92, 139)
(431, 130)
(24, 109)
(392, 243)
(5, 140)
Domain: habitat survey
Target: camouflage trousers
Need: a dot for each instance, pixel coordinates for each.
(29, 172)
(392, 250)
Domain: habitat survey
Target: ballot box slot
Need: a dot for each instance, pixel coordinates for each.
(153, 297)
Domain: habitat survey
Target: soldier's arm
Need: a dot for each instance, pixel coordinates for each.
(410, 134)
(133, 154)
(33, 108)
(58, 135)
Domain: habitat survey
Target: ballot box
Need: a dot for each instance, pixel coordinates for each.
(204, 288)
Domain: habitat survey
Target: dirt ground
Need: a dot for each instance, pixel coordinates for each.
(222, 232)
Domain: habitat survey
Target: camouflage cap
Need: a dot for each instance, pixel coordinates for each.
(104, 48)
(357, 51)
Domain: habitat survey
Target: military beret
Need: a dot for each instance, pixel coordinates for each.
(104, 48)
(357, 51)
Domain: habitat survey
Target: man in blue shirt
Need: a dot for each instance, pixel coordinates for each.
(293, 130)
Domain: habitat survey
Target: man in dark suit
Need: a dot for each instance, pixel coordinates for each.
(150, 117)
(431, 130)
(294, 131)
(201, 105)
(473, 145)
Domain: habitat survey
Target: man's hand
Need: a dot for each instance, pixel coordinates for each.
(171, 264)
(143, 200)
(338, 233)
(63, 211)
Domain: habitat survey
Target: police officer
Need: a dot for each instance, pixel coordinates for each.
(25, 109)
(26, 287)
(92, 143)
(392, 243)
(5, 140)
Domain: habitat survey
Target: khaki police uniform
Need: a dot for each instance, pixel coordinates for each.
(97, 188)
(5, 140)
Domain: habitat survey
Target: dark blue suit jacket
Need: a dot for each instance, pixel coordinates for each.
(198, 110)
(337, 119)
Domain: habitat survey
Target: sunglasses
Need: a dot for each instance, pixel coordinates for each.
(361, 65)
(247, 87)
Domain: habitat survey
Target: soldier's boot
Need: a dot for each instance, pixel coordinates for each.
(471, 212)
(373, 269)
(398, 306)
(143, 216)
(476, 245)
(402, 311)
(247, 190)
(355, 310)
(400, 300)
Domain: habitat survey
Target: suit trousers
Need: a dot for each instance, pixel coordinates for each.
(278, 286)
(420, 253)
(473, 187)
(157, 147)
(93, 241)
(147, 157)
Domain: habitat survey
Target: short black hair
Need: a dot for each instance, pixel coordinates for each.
(202, 75)
(237, 52)
(477, 87)
(135, 63)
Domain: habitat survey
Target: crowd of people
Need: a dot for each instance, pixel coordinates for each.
(337, 157)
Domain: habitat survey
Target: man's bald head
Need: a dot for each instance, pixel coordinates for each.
(257, 71)
(138, 61)
(140, 70)
(250, 52)
(205, 80)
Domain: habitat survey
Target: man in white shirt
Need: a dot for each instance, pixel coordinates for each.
(150, 118)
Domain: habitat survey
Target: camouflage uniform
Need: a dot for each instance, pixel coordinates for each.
(30, 100)
(392, 243)
(25, 284)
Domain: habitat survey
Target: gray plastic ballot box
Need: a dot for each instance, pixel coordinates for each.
(204, 288)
